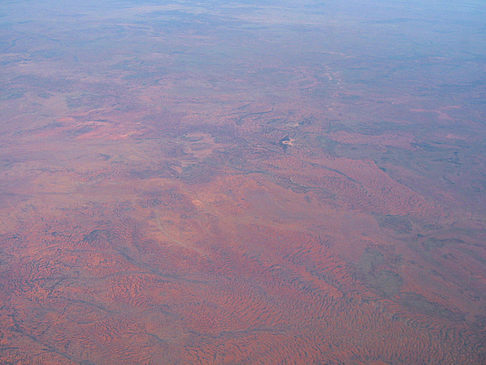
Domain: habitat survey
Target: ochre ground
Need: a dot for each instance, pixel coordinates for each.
(149, 213)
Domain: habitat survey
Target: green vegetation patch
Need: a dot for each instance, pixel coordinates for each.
(419, 304)
(327, 144)
(397, 223)
(386, 282)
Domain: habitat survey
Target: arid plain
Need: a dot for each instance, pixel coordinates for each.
(242, 182)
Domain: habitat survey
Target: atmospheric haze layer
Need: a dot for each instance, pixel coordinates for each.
(243, 182)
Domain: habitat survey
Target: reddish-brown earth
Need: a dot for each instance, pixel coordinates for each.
(151, 214)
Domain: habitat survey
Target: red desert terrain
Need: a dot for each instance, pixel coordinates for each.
(242, 183)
